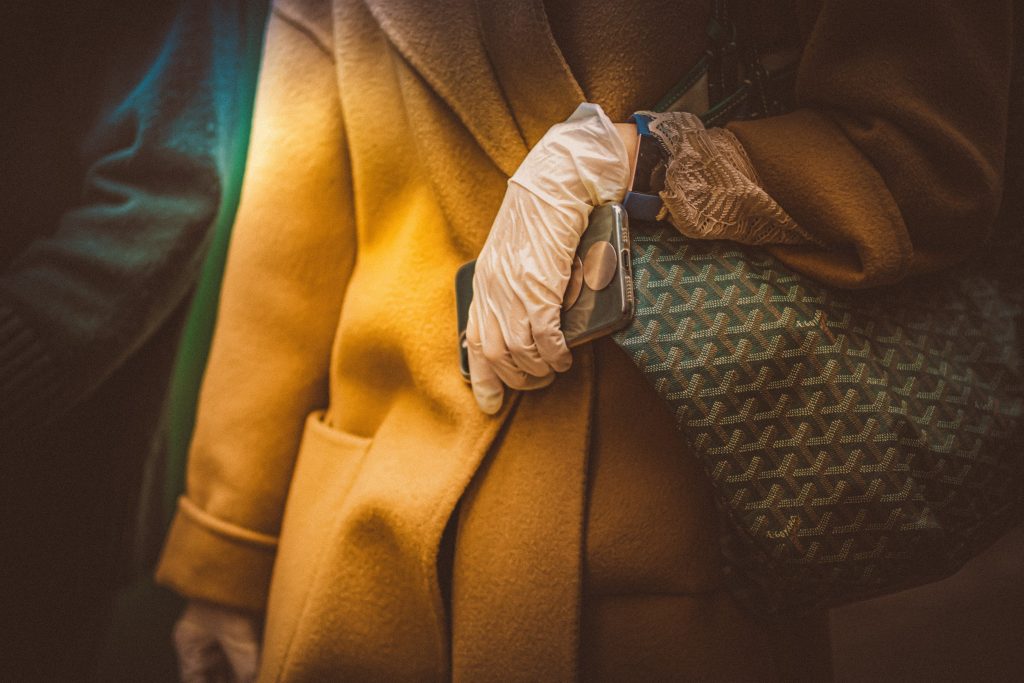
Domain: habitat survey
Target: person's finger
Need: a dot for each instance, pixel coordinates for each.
(520, 343)
(487, 387)
(533, 383)
(203, 667)
(546, 329)
(200, 658)
(490, 329)
(496, 353)
(526, 356)
(243, 655)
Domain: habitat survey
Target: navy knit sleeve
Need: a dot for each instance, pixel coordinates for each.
(75, 303)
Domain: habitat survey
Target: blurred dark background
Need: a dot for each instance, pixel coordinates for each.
(123, 130)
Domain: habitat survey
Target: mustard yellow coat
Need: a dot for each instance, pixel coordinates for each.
(342, 477)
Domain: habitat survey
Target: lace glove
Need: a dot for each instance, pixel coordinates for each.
(712, 190)
(216, 643)
(513, 333)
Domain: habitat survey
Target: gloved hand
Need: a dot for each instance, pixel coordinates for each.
(712, 191)
(513, 333)
(216, 643)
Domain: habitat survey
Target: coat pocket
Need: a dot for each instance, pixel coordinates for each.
(327, 465)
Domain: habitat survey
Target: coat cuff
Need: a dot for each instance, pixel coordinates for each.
(809, 166)
(208, 558)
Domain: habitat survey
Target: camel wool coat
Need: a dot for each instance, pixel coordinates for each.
(341, 476)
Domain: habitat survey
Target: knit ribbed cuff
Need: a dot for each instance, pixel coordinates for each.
(28, 375)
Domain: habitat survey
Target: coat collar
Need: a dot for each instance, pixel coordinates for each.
(533, 73)
(496, 66)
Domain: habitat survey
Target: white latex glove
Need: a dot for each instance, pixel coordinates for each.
(216, 643)
(513, 334)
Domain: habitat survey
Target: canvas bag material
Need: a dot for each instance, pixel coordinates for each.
(858, 442)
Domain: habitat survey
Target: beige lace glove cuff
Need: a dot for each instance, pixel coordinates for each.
(712, 190)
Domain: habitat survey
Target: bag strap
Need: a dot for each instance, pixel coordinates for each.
(723, 63)
(738, 83)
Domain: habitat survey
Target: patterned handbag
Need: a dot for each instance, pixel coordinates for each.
(858, 442)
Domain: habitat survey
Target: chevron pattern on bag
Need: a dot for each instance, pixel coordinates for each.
(858, 442)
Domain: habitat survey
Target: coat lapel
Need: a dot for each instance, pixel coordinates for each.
(537, 81)
(443, 43)
(496, 65)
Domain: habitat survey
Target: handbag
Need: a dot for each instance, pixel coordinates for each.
(858, 442)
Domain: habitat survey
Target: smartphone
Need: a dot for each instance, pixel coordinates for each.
(599, 297)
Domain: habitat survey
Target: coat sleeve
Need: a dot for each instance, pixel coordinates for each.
(92, 289)
(292, 251)
(894, 157)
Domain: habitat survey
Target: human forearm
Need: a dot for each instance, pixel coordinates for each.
(292, 251)
(894, 156)
(85, 294)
